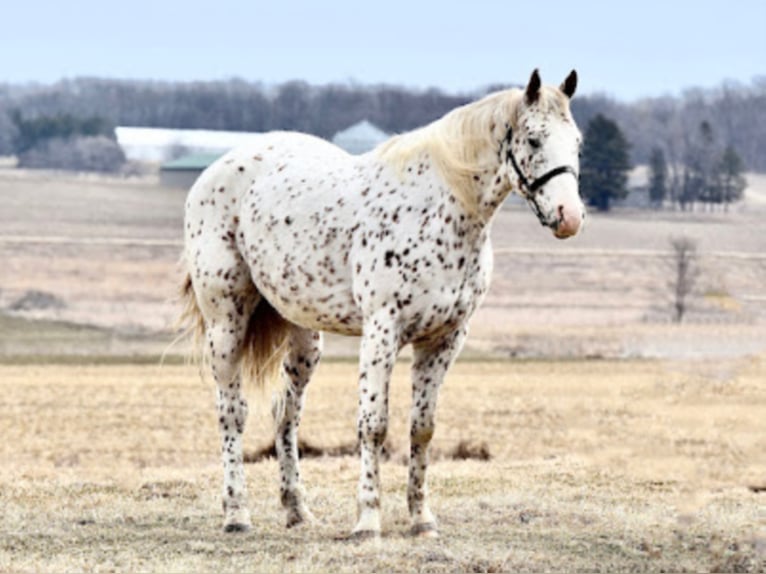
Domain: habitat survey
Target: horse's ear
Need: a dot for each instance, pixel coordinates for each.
(532, 93)
(569, 85)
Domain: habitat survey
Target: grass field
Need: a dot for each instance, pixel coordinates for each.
(594, 466)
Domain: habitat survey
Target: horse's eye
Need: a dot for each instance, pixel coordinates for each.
(534, 143)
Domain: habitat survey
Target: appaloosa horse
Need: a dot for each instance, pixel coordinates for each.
(290, 236)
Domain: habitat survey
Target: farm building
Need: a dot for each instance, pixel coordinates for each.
(184, 171)
(638, 189)
(159, 145)
(360, 137)
(149, 144)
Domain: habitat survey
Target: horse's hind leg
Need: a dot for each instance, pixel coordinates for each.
(226, 313)
(302, 358)
(431, 362)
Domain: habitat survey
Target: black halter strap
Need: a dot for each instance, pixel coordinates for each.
(532, 187)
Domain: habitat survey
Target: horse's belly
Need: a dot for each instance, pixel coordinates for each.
(331, 310)
(302, 269)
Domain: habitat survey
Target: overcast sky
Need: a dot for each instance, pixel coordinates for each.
(624, 49)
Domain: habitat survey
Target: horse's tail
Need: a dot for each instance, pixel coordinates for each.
(265, 343)
(190, 321)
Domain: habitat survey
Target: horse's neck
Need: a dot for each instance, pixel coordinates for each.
(491, 190)
(482, 196)
(484, 193)
(474, 175)
(487, 188)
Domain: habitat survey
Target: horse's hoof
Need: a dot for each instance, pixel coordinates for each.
(425, 530)
(294, 521)
(300, 518)
(236, 527)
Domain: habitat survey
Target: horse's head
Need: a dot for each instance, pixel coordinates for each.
(542, 155)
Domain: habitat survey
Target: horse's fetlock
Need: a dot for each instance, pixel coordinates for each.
(289, 498)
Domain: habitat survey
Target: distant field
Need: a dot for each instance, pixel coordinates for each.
(595, 466)
(108, 250)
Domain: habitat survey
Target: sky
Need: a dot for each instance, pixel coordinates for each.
(627, 50)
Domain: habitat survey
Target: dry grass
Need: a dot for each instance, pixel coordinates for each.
(597, 466)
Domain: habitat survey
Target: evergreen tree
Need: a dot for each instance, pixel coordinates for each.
(658, 177)
(8, 133)
(698, 168)
(605, 163)
(730, 180)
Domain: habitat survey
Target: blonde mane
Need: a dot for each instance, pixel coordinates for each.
(461, 143)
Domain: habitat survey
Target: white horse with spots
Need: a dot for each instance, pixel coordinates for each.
(291, 236)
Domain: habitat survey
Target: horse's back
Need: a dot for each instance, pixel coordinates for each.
(239, 168)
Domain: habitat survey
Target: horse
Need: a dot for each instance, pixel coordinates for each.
(289, 236)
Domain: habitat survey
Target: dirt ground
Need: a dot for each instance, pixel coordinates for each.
(598, 466)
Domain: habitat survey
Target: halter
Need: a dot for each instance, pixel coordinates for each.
(530, 189)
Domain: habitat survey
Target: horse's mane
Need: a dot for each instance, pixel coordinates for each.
(457, 144)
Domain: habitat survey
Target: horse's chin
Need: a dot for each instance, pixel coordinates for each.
(565, 233)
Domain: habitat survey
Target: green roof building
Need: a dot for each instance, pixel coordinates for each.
(184, 171)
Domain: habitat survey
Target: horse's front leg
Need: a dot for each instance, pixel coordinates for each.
(431, 362)
(378, 350)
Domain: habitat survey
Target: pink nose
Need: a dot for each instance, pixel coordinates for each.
(569, 222)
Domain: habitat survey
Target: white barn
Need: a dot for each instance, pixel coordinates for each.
(183, 154)
(159, 145)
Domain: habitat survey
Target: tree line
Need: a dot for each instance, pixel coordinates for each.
(232, 105)
(735, 114)
(707, 174)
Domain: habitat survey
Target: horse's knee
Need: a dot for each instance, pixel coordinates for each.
(373, 430)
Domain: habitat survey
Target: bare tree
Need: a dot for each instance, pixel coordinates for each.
(685, 274)
(658, 178)
(92, 153)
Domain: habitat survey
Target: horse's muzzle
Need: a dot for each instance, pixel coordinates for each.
(568, 223)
